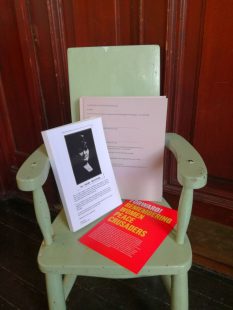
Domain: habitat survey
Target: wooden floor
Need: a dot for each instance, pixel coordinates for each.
(22, 285)
(212, 245)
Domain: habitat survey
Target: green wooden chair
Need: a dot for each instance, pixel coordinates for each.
(112, 71)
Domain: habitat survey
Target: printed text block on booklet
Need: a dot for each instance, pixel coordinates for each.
(131, 233)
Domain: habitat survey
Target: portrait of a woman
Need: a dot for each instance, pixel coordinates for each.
(83, 157)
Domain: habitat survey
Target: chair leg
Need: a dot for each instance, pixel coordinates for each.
(55, 291)
(179, 292)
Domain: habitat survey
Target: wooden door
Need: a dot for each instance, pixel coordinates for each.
(214, 105)
(201, 90)
(19, 93)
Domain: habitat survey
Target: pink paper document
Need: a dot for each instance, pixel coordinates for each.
(135, 133)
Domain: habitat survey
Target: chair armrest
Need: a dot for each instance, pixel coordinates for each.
(34, 171)
(191, 169)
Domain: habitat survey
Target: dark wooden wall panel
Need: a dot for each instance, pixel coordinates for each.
(198, 52)
(47, 35)
(127, 14)
(66, 12)
(16, 65)
(184, 45)
(153, 28)
(153, 23)
(7, 158)
(214, 114)
(95, 22)
(215, 94)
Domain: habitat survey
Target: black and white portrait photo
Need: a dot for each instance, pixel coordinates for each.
(83, 156)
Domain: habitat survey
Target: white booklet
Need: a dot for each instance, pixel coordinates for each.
(135, 133)
(83, 172)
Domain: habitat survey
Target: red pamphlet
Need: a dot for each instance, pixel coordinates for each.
(131, 233)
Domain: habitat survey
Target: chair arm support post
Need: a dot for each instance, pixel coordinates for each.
(184, 213)
(43, 215)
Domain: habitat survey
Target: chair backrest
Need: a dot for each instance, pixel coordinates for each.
(113, 71)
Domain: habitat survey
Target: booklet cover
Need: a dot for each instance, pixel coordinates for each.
(83, 172)
(135, 133)
(131, 233)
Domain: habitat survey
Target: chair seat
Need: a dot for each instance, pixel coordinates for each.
(66, 255)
